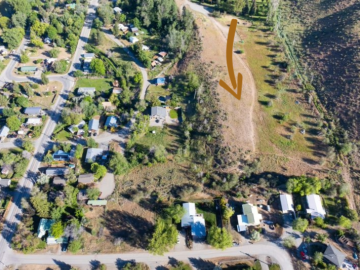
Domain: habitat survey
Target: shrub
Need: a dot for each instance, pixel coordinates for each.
(173, 114)
(289, 242)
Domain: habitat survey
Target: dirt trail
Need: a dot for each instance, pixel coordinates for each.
(238, 129)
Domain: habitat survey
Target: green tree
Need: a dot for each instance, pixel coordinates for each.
(78, 74)
(4, 101)
(48, 158)
(13, 123)
(300, 224)
(318, 257)
(57, 229)
(118, 164)
(164, 237)
(13, 36)
(219, 238)
(24, 58)
(93, 193)
(97, 66)
(345, 222)
(39, 28)
(319, 222)
(304, 185)
(36, 41)
(60, 66)
(51, 32)
(40, 202)
(22, 101)
(106, 13)
(20, 6)
(4, 22)
(75, 245)
(54, 53)
(79, 151)
(115, 30)
(138, 78)
(181, 266)
(175, 212)
(255, 235)
(228, 213)
(160, 153)
(44, 79)
(97, 23)
(98, 170)
(19, 20)
(351, 214)
(91, 143)
(321, 237)
(28, 146)
(289, 242)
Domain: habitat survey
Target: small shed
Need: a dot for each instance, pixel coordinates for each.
(94, 125)
(117, 10)
(111, 121)
(5, 182)
(59, 181)
(4, 131)
(160, 81)
(86, 179)
(86, 91)
(133, 40)
(117, 90)
(34, 121)
(28, 69)
(97, 202)
(134, 29)
(61, 156)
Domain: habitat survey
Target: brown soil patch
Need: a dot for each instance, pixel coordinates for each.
(39, 267)
(43, 100)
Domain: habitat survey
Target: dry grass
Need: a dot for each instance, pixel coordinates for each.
(43, 100)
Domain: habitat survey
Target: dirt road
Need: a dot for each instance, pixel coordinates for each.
(239, 130)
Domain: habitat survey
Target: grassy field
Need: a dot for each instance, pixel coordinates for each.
(156, 91)
(103, 85)
(207, 211)
(63, 136)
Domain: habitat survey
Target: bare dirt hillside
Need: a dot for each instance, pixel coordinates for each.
(238, 128)
(325, 35)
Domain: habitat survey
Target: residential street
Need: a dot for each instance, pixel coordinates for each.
(194, 257)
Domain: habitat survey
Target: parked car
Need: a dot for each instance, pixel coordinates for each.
(303, 256)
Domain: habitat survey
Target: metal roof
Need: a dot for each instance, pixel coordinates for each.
(32, 110)
(59, 181)
(57, 171)
(111, 121)
(86, 90)
(160, 80)
(287, 203)
(97, 202)
(94, 124)
(28, 68)
(86, 178)
(92, 154)
(5, 182)
(315, 206)
(158, 111)
(4, 131)
(334, 255)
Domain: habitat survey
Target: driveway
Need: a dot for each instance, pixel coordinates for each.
(288, 230)
(106, 186)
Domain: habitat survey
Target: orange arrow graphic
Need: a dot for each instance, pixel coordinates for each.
(230, 66)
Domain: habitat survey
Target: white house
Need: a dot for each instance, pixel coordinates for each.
(133, 40)
(123, 27)
(287, 204)
(33, 121)
(145, 48)
(250, 217)
(193, 220)
(4, 131)
(315, 208)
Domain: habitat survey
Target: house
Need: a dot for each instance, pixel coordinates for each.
(86, 91)
(160, 59)
(97, 202)
(111, 121)
(3, 50)
(6, 169)
(287, 204)
(82, 195)
(92, 154)
(89, 56)
(250, 217)
(47, 40)
(334, 256)
(315, 208)
(160, 81)
(158, 113)
(108, 106)
(117, 10)
(59, 181)
(133, 40)
(145, 48)
(56, 171)
(28, 69)
(33, 111)
(4, 131)
(86, 178)
(134, 29)
(34, 121)
(193, 220)
(61, 156)
(162, 54)
(117, 90)
(71, 6)
(123, 27)
(87, 60)
(94, 125)
(77, 128)
(5, 182)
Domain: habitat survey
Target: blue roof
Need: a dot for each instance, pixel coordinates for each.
(160, 80)
(111, 121)
(198, 229)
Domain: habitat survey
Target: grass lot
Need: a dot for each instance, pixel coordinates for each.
(63, 136)
(156, 91)
(47, 94)
(207, 210)
(334, 208)
(103, 85)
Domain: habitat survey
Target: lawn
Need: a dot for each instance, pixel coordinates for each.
(63, 136)
(157, 91)
(173, 114)
(207, 210)
(103, 85)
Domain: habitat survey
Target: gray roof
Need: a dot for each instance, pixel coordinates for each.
(4, 131)
(89, 55)
(334, 255)
(86, 90)
(94, 124)
(92, 154)
(158, 111)
(5, 182)
(32, 110)
(86, 178)
(59, 181)
(57, 171)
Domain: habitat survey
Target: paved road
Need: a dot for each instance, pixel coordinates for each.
(25, 184)
(143, 70)
(278, 255)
